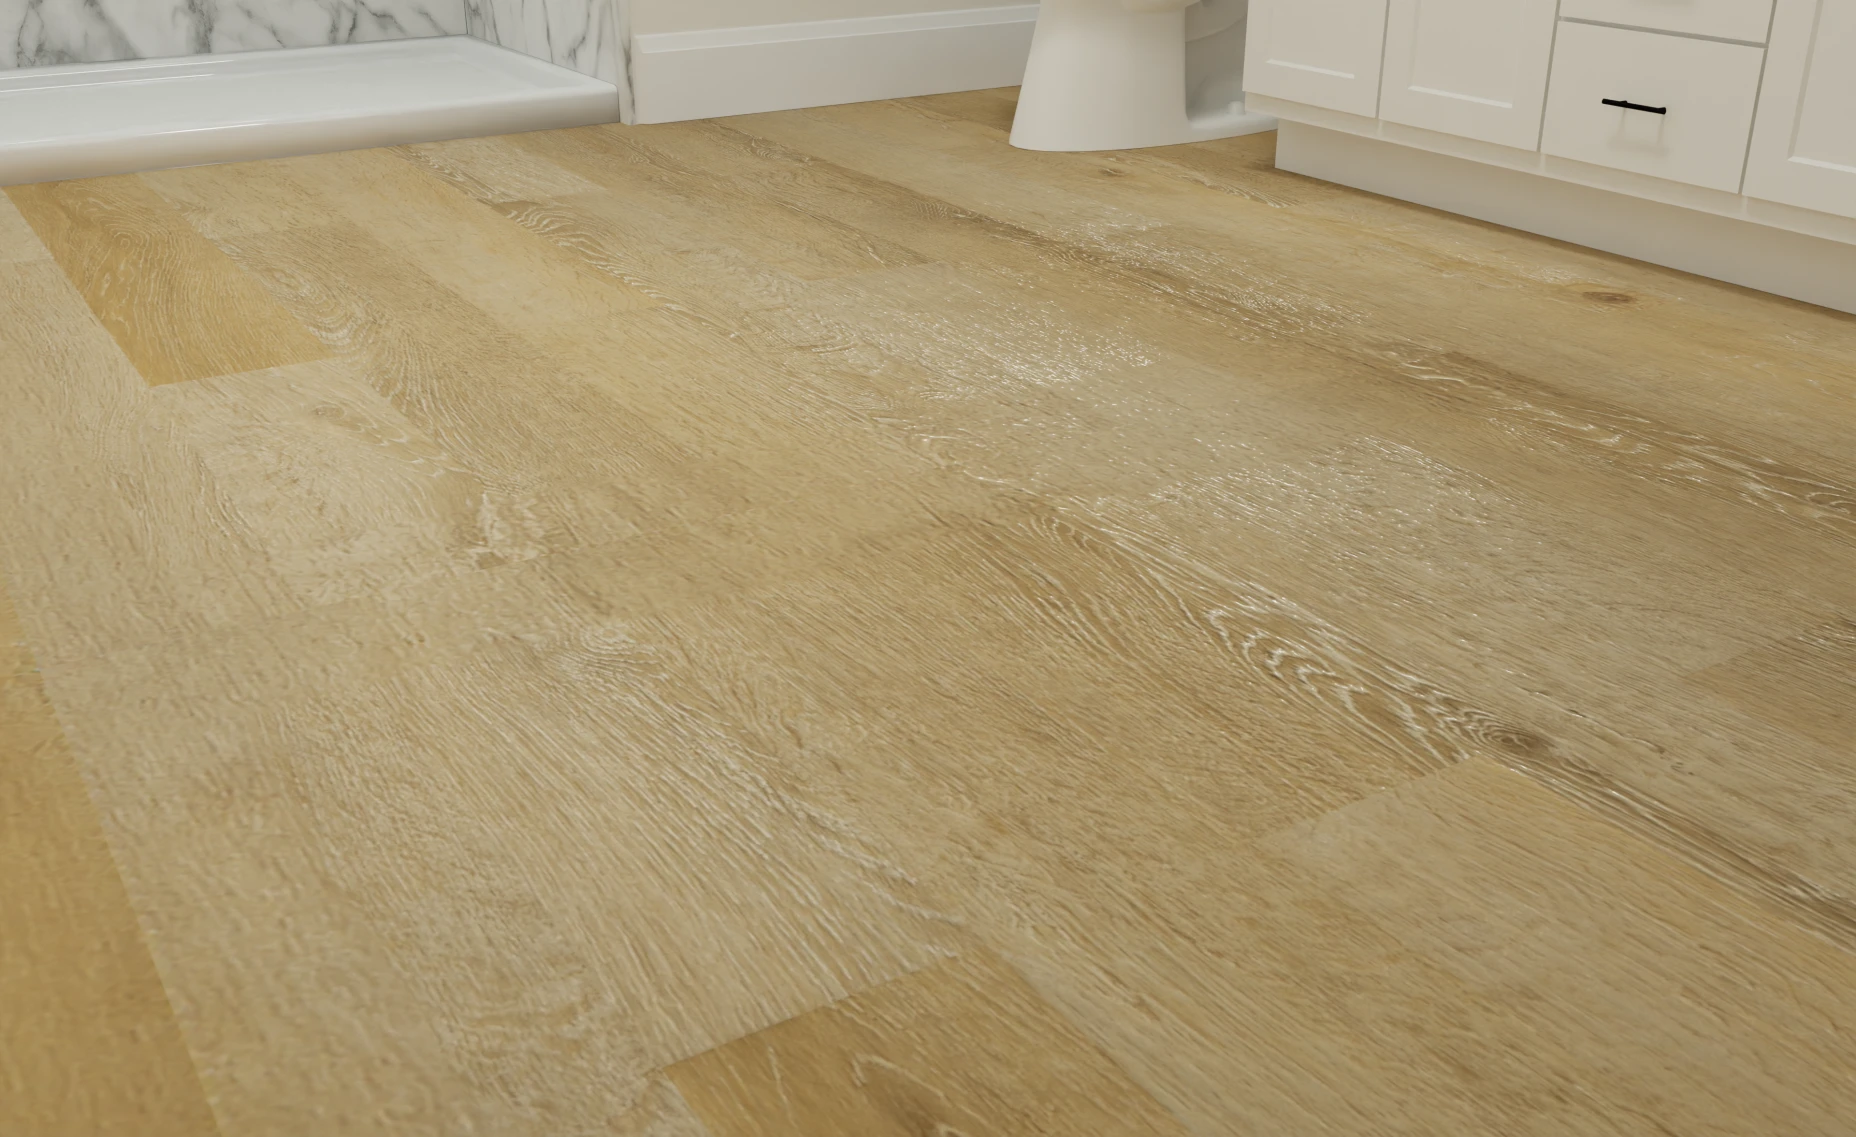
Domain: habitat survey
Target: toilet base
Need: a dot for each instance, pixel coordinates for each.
(1103, 77)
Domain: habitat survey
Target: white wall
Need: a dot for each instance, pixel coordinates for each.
(652, 16)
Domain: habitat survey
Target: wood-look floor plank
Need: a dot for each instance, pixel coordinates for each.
(1255, 263)
(755, 562)
(1805, 684)
(1470, 954)
(88, 1042)
(342, 494)
(550, 881)
(15, 656)
(17, 240)
(1610, 968)
(80, 440)
(493, 264)
(556, 458)
(629, 221)
(961, 1047)
(1767, 516)
(177, 306)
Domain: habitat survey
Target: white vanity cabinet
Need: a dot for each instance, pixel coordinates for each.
(1674, 107)
(1742, 20)
(1474, 68)
(1714, 136)
(1804, 140)
(1325, 53)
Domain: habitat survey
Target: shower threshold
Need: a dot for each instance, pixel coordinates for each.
(89, 119)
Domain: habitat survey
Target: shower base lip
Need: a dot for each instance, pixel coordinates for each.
(91, 119)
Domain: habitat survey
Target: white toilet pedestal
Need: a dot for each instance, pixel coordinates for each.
(1104, 77)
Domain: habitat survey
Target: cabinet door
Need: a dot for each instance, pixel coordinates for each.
(1476, 68)
(1804, 139)
(1322, 52)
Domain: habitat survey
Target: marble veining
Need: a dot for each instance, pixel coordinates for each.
(43, 32)
(588, 36)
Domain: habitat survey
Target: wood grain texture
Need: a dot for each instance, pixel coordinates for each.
(498, 267)
(176, 305)
(17, 240)
(1366, 671)
(548, 882)
(1232, 290)
(962, 1047)
(15, 656)
(1593, 963)
(1805, 683)
(88, 1042)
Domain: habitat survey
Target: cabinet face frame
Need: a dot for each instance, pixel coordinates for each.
(1507, 113)
(1282, 61)
(1810, 61)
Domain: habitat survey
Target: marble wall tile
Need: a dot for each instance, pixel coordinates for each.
(40, 32)
(592, 37)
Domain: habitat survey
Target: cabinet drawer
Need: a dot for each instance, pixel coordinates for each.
(1728, 19)
(1706, 91)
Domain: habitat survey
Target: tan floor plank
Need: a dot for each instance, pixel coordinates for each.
(345, 496)
(15, 656)
(1466, 954)
(81, 440)
(634, 229)
(806, 246)
(549, 880)
(1678, 1002)
(1804, 684)
(175, 305)
(1472, 554)
(556, 457)
(495, 265)
(88, 1042)
(17, 240)
(963, 1047)
(726, 570)
(1148, 431)
(1381, 378)
(1310, 274)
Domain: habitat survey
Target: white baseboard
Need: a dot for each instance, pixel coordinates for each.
(731, 71)
(1796, 265)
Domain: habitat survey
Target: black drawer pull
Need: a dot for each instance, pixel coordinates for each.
(1630, 106)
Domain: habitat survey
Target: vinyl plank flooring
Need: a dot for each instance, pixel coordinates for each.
(495, 265)
(17, 240)
(175, 305)
(1459, 559)
(556, 457)
(80, 440)
(88, 1042)
(1631, 484)
(1671, 999)
(553, 880)
(829, 587)
(1805, 684)
(15, 657)
(1304, 273)
(343, 496)
(628, 221)
(1467, 953)
(962, 1047)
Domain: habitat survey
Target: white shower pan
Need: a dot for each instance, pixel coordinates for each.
(89, 119)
